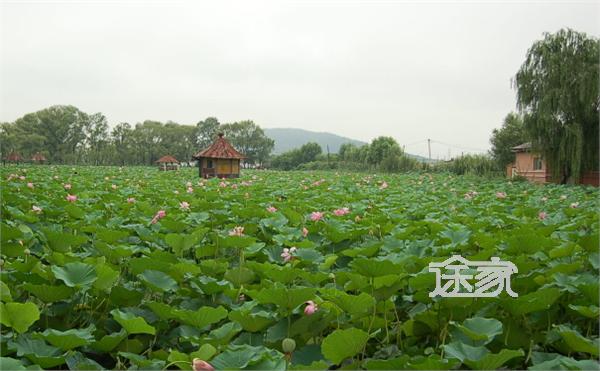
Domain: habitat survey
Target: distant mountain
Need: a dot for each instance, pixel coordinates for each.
(289, 138)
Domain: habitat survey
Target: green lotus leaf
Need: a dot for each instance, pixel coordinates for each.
(493, 361)
(19, 316)
(202, 317)
(70, 339)
(286, 299)
(375, 268)
(132, 323)
(49, 293)
(109, 342)
(158, 281)
(342, 344)
(78, 275)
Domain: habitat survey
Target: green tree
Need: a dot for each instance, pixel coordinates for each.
(309, 152)
(249, 139)
(206, 132)
(122, 140)
(512, 133)
(382, 147)
(557, 92)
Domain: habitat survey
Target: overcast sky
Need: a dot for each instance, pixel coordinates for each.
(355, 68)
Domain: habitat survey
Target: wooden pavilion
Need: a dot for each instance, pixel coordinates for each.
(167, 163)
(13, 157)
(219, 160)
(38, 158)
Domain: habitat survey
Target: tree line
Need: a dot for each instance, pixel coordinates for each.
(67, 135)
(382, 154)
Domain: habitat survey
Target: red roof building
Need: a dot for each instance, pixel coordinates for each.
(38, 157)
(531, 165)
(167, 163)
(14, 157)
(220, 160)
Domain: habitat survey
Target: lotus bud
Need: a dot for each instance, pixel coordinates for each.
(288, 345)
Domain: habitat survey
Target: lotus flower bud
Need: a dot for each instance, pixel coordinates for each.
(288, 345)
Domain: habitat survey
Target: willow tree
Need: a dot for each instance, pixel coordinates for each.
(557, 92)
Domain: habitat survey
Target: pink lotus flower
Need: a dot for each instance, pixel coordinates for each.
(310, 308)
(384, 185)
(190, 190)
(304, 232)
(542, 215)
(237, 231)
(271, 209)
(469, 195)
(288, 254)
(22, 177)
(544, 199)
(159, 215)
(500, 195)
(36, 209)
(114, 186)
(176, 192)
(200, 365)
(130, 200)
(222, 184)
(56, 177)
(188, 184)
(30, 185)
(71, 198)
(342, 211)
(315, 216)
(574, 205)
(184, 205)
(67, 186)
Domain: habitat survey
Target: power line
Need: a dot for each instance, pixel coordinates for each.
(459, 147)
(412, 144)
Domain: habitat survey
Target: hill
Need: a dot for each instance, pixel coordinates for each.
(289, 138)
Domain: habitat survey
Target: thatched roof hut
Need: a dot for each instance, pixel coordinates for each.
(168, 162)
(13, 157)
(38, 158)
(220, 160)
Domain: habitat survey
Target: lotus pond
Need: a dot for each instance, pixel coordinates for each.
(132, 268)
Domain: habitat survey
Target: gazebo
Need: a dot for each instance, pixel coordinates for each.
(38, 158)
(167, 163)
(219, 160)
(13, 157)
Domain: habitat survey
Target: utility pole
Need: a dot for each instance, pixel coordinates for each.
(328, 155)
(429, 147)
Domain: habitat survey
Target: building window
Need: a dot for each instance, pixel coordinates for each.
(209, 164)
(537, 163)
